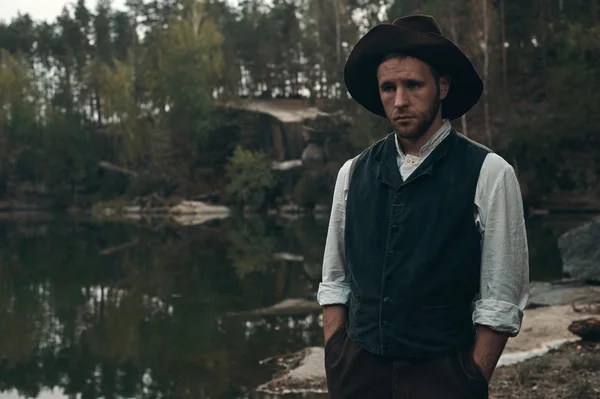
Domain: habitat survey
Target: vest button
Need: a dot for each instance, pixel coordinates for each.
(386, 299)
(391, 251)
(394, 227)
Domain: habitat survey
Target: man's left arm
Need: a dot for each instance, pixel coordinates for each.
(504, 265)
(489, 345)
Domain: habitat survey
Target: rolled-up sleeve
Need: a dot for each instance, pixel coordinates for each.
(334, 288)
(504, 288)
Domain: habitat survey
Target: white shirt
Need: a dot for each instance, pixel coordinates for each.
(504, 284)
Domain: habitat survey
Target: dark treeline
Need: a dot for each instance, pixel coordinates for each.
(142, 88)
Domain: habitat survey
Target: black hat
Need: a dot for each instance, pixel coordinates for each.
(421, 37)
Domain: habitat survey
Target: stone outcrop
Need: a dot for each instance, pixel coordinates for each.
(588, 329)
(562, 293)
(306, 373)
(182, 212)
(580, 251)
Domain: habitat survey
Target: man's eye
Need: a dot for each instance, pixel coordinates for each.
(388, 88)
(413, 85)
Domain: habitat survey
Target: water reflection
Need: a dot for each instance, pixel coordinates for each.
(116, 310)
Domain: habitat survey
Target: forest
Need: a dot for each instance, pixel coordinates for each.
(143, 90)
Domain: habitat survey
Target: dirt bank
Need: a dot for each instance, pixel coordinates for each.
(571, 371)
(544, 329)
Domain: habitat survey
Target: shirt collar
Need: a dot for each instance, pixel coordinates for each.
(432, 143)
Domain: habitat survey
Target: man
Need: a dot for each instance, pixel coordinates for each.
(425, 272)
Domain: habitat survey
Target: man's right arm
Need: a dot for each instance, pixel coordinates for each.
(334, 290)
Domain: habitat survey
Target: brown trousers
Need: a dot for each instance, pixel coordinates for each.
(354, 373)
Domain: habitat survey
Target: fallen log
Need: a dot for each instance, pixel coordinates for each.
(287, 307)
(593, 308)
(117, 248)
(288, 256)
(115, 168)
(588, 329)
(212, 196)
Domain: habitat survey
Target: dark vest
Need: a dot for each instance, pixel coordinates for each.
(413, 250)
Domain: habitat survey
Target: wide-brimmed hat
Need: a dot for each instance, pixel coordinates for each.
(419, 36)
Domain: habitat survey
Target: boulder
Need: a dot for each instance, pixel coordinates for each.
(199, 208)
(313, 269)
(313, 153)
(131, 209)
(191, 213)
(580, 251)
(562, 293)
(304, 373)
(196, 219)
(588, 329)
(287, 165)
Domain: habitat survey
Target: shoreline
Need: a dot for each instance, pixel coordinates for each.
(544, 330)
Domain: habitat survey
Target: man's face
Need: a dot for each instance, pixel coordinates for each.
(410, 95)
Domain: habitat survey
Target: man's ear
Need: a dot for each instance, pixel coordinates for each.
(444, 86)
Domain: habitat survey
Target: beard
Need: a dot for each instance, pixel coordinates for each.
(420, 123)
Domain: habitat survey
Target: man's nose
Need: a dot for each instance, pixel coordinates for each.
(401, 99)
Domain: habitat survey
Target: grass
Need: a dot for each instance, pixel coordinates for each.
(584, 390)
(587, 363)
(526, 373)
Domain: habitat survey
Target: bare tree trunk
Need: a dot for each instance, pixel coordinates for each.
(542, 42)
(454, 34)
(338, 44)
(453, 31)
(337, 9)
(102, 302)
(195, 18)
(504, 51)
(69, 96)
(98, 105)
(463, 121)
(91, 105)
(96, 91)
(319, 75)
(561, 7)
(486, 65)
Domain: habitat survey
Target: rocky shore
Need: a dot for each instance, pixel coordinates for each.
(182, 212)
(570, 371)
(545, 360)
(544, 330)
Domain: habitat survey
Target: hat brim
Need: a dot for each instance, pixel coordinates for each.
(360, 71)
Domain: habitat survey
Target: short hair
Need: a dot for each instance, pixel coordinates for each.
(436, 74)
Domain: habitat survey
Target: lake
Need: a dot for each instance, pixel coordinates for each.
(122, 309)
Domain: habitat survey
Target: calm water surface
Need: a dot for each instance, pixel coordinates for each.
(122, 310)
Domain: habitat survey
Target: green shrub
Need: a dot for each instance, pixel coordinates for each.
(250, 177)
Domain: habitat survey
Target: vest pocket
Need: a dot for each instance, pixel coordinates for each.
(355, 306)
(354, 311)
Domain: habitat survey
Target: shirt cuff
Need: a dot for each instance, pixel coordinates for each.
(333, 293)
(501, 316)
